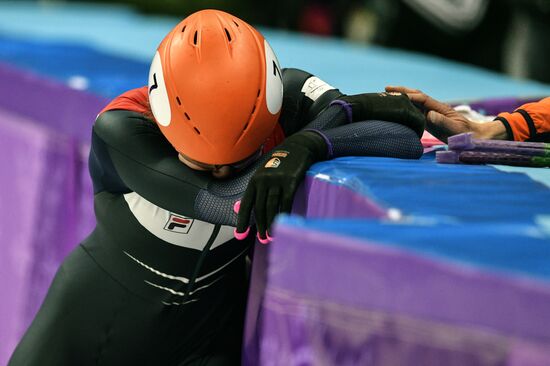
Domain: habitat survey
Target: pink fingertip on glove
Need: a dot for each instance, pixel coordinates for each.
(241, 236)
(237, 206)
(267, 240)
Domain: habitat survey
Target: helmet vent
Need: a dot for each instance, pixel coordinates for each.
(197, 130)
(195, 38)
(234, 21)
(187, 116)
(183, 29)
(227, 34)
(258, 93)
(178, 100)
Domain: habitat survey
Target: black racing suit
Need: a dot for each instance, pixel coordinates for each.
(161, 281)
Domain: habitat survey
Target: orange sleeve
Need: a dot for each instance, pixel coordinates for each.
(530, 122)
(135, 100)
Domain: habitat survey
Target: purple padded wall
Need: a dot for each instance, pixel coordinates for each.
(45, 192)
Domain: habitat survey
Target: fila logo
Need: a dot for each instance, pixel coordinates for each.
(273, 163)
(178, 224)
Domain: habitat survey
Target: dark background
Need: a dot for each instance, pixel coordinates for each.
(512, 37)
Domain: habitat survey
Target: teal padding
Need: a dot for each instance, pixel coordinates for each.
(121, 32)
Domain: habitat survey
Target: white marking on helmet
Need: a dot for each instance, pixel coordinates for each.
(273, 81)
(158, 96)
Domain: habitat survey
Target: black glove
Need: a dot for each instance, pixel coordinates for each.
(391, 107)
(271, 189)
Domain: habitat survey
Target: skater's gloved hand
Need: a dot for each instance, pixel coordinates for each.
(271, 189)
(391, 107)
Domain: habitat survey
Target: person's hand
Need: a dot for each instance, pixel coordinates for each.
(271, 189)
(392, 107)
(443, 121)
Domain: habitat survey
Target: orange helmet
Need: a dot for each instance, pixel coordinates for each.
(215, 88)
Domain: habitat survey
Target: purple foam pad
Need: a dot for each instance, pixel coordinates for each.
(463, 141)
(447, 157)
(483, 157)
(510, 144)
(513, 150)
